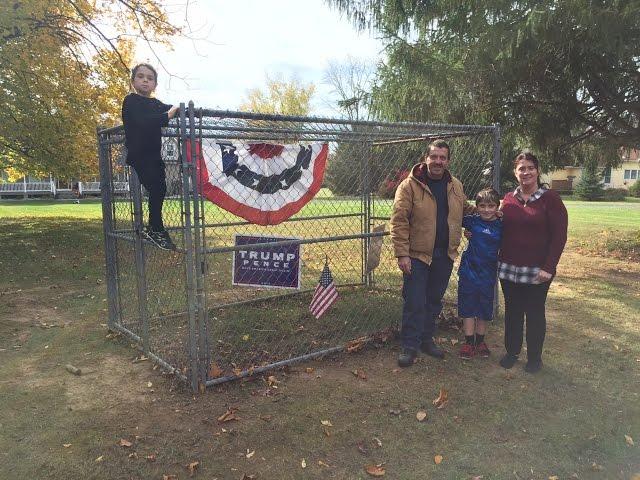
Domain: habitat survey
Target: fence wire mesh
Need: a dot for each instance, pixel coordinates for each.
(183, 306)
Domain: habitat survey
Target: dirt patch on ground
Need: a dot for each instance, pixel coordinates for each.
(32, 307)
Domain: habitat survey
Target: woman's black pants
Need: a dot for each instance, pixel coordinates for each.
(151, 175)
(524, 300)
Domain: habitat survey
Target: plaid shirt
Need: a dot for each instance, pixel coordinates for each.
(513, 273)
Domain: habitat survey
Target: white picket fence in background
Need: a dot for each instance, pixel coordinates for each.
(26, 188)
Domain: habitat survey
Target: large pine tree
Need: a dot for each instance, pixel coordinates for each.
(553, 72)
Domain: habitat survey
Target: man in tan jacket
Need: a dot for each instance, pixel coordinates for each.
(426, 227)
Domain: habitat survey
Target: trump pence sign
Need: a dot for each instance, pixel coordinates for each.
(276, 266)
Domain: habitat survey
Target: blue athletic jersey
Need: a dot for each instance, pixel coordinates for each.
(479, 261)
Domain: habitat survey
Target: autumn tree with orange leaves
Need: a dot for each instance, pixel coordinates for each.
(63, 72)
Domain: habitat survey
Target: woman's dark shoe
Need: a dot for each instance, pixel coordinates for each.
(533, 366)
(431, 349)
(407, 357)
(508, 361)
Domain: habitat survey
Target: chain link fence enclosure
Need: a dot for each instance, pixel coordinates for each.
(181, 306)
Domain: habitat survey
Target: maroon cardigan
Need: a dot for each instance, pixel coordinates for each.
(534, 234)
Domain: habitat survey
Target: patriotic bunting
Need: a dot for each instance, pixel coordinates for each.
(260, 182)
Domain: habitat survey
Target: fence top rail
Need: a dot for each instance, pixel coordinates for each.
(338, 121)
(431, 128)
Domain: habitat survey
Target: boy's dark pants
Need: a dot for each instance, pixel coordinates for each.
(152, 177)
(422, 292)
(524, 300)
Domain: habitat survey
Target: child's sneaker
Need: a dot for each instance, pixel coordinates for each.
(467, 351)
(162, 240)
(482, 350)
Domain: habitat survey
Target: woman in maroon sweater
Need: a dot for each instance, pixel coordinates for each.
(533, 237)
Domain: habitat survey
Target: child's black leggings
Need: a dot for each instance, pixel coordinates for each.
(524, 300)
(152, 177)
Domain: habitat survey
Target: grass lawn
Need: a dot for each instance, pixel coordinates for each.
(317, 419)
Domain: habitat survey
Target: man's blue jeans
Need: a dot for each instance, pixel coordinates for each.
(422, 292)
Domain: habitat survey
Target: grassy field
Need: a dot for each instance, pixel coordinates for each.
(318, 419)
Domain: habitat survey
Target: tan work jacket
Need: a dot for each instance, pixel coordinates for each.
(413, 220)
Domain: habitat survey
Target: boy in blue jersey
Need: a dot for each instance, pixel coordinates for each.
(477, 273)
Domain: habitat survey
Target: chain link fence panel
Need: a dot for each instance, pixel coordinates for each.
(183, 306)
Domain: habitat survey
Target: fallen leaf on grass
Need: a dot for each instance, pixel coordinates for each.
(442, 399)
(326, 423)
(265, 418)
(151, 458)
(595, 467)
(375, 470)
(169, 477)
(228, 416)
(362, 448)
(192, 467)
(303, 463)
(437, 459)
(66, 445)
(247, 477)
(72, 369)
(309, 370)
(149, 384)
(250, 453)
(272, 381)
(377, 442)
(322, 464)
(360, 374)
(133, 455)
(477, 477)
(215, 371)
(454, 341)
(629, 440)
(356, 345)
(125, 443)
(99, 459)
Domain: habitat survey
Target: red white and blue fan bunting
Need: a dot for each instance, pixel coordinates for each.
(261, 182)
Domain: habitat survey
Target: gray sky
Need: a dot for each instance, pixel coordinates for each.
(242, 40)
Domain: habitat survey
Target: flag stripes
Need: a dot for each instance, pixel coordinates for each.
(325, 294)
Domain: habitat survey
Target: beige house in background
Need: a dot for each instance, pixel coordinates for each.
(623, 176)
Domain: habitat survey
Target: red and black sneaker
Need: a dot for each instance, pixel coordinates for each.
(482, 350)
(467, 351)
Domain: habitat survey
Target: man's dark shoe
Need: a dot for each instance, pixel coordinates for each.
(431, 349)
(407, 357)
(508, 361)
(533, 366)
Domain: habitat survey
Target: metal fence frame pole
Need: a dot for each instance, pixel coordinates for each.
(365, 211)
(199, 257)
(106, 182)
(141, 272)
(189, 246)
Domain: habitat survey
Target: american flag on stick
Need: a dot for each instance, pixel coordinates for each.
(325, 294)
